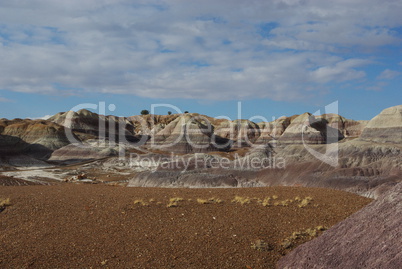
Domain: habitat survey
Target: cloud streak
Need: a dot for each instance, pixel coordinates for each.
(282, 50)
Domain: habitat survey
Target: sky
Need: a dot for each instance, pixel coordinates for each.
(271, 58)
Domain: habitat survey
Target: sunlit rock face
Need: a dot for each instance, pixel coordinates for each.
(309, 129)
(243, 132)
(90, 125)
(37, 137)
(187, 134)
(386, 127)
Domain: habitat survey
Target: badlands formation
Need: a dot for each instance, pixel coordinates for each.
(192, 150)
(197, 151)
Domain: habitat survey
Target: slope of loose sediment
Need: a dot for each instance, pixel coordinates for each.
(371, 238)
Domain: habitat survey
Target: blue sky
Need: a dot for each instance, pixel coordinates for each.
(280, 57)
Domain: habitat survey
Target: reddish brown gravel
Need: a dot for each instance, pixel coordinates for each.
(98, 226)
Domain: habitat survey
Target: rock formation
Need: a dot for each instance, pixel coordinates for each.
(37, 137)
(243, 132)
(89, 125)
(386, 127)
(151, 124)
(368, 165)
(309, 129)
(188, 133)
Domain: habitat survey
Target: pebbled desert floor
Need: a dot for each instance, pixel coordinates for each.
(99, 226)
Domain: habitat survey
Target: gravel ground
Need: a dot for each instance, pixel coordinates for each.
(98, 226)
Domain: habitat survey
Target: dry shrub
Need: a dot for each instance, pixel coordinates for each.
(173, 202)
(297, 236)
(261, 245)
(305, 202)
(212, 200)
(4, 202)
(140, 202)
(241, 200)
(266, 200)
(297, 199)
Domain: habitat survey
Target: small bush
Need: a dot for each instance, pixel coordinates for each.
(212, 200)
(4, 202)
(173, 202)
(261, 245)
(265, 202)
(241, 200)
(305, 202)
(140, 202)
(202, 201)
(308, 233)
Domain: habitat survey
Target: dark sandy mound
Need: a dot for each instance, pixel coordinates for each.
(371, 238)
(11, 181)
(98, 226)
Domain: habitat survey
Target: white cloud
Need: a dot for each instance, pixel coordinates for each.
(341, 71)
(388, 74)
(5, 100)
(203, 49)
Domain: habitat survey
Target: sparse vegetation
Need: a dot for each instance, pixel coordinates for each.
(209, 201)
(306, 234)
(241, 200)
(266, 200)
(173, 202)
(261, 245)
(144, 112)
(140, 202)
(202, 201)
(4, 202)
(305, 202)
